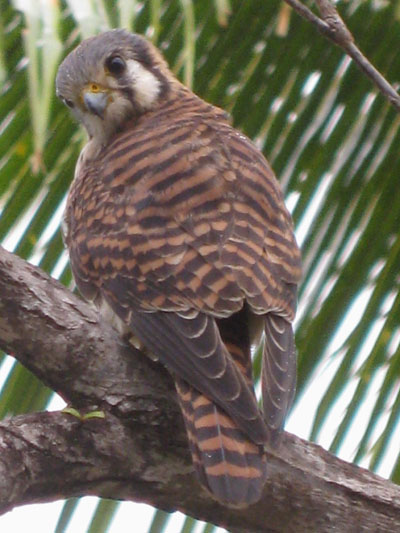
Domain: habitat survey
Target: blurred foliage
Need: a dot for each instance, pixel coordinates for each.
(333, 143)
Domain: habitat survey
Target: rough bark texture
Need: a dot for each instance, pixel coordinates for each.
(138, 451)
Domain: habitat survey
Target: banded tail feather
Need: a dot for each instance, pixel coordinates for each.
(226, 462)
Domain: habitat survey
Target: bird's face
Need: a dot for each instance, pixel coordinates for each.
(110, 79)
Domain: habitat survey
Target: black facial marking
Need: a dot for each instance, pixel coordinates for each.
(164, 85)
(142, 52)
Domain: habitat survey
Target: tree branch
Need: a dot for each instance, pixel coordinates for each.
(139, 450)
(333, 27)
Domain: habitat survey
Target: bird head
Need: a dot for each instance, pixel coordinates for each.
(112, 78)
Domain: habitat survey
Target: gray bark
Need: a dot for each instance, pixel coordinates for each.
(138, 451)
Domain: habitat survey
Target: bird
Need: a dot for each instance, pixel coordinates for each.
(178, 233)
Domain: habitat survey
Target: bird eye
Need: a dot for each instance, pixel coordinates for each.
(115, 65)
(68, 103)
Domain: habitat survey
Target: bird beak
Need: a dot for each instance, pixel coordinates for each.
(95, 100)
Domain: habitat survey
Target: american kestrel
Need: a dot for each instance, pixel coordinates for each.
(177, 230)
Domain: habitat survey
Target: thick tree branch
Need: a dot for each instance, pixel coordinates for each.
(333, 27)
(139, 451)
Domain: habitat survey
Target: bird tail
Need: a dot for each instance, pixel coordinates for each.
(227, 463)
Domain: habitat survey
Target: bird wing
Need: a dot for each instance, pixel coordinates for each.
(191, 347)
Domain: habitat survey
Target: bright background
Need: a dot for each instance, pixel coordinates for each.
(333, 142)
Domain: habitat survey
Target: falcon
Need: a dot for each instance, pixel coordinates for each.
(177, 231)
